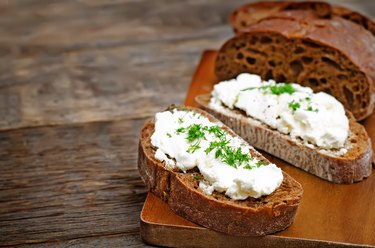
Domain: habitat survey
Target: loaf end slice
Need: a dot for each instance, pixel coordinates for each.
(353, 166)
(251, 13)
(250, 217)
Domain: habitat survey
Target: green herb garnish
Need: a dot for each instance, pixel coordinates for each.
(196, 177)
(219, 145)
(180, 130)
(310, 108)
(294, 105)
(232, 156)
(192, 148)
(247, 167)
(195, 132)
(180, 120)
(277, 89)
(252, 88)
(259, 163)
(236, 99)
(282, 88)
(169, 135)
(217, 131)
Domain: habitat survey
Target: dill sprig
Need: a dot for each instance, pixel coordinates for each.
(180, 130)
(229, 155)
(195, 132)
(192, 148)
(276, 89)
(294, 105)
(310, 108)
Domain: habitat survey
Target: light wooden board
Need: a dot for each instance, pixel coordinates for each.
(329, 214)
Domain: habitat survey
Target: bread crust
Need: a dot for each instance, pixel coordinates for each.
(251, 13)
(250, 217)
(353, 166)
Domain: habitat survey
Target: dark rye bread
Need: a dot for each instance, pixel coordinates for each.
(332, 55)
(353, 166)
(251, 13)
(250, 217)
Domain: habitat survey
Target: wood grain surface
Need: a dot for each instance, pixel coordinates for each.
(77, 80)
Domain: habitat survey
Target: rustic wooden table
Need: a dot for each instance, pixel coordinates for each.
(77, 81)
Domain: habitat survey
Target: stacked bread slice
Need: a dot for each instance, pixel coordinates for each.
(330, 49)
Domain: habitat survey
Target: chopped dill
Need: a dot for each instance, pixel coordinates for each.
(276, 89)
(180, 130)
(192, 148)
(294, 105)
(310, 108)
(195, 132)
(259, 163)
(196, 177)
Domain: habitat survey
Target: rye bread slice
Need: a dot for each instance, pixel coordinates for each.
(251, 13)
(250, 217)
(336, 56)
(353, 166)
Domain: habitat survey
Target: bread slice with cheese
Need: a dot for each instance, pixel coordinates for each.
(180, 190)
(333, 55)
(350, 167)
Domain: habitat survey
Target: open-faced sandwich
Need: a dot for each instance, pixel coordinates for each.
(334, 55)
(212, 177)
(310, 130)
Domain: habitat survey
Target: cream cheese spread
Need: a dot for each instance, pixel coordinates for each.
(316, 118)
(185, 139)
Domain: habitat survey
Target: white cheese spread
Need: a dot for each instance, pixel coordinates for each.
(185, 139)
(316, 118)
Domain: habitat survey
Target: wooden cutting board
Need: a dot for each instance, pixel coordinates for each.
(329, 215)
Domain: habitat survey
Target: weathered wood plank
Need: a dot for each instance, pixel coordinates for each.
(66, 182)
(117, 240)
(96, 70)
(94, 86)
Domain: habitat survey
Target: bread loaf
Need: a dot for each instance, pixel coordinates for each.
(250, 217)
(249, 14)
(353, 166)
(332, 55)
